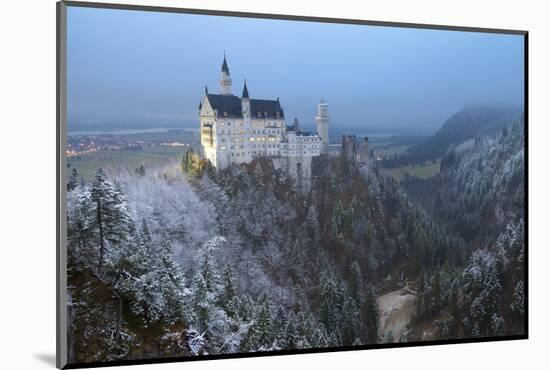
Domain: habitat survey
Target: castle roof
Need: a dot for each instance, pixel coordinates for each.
(298, 132)
(308, 133)
(231, 106)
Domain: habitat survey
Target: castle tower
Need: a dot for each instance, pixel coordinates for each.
(322, 120)
(225, 79)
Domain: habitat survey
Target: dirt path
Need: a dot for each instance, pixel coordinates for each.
(396, 311)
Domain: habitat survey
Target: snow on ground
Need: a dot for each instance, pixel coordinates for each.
(396, 310)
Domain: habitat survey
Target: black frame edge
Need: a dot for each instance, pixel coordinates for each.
(526, 178)
(61, 104)
(288, 17)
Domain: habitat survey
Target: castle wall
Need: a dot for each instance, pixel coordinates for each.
(354, 149)
(297, 167)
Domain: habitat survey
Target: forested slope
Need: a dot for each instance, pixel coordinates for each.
(479, 196)
(238, 261)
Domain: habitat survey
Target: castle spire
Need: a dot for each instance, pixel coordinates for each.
(225, 78)
(245, 91)
(225, 68)
(245, 101)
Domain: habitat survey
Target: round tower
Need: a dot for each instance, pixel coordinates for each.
(225, 79)
(322, 120)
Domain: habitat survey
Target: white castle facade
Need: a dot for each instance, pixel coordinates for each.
(238, 129)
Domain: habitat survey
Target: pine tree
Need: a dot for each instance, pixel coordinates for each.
(371, 314)
(81, 234)
(207, 287)
(73, 180)
(454, 299)
(263, 325)
(145, 238)
(356, 282)
(435, 293)
(329, 302)
(291, 336)
(280, 322)
(171, 283)
(228, 290)
(312, 225)
(258, 175)
(349, 322)
(517, 305)
(337, 222)
(201, 303)
(111, 217)
(187, 161)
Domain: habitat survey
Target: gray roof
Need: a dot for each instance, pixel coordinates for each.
(231, 106)
(308, 133)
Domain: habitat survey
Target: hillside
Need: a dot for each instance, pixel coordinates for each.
(480, 188)
(238, 260)
(204, 262)
(479, 197)
(470, 122)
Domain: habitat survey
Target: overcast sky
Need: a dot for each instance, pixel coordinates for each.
(145, 67)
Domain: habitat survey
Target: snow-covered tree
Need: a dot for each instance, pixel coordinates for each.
(111, 218)
(73, 180)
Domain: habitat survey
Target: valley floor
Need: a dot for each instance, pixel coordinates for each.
(396, 313)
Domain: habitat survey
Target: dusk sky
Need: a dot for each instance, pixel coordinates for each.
(134, 67)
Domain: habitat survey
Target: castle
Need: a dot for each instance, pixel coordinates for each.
(238, 129)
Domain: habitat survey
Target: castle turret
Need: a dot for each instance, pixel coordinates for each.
(364, 153)
(296, 125)
(225, 79)
(322, 120)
